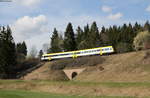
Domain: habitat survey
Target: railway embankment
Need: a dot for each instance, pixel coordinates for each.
(129, 67)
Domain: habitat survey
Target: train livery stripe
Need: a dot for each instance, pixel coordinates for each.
(75, 54)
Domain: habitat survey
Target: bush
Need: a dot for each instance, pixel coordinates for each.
(142, 40)
(78, 62)
(20, 57)
(26, 64)
(123, 47)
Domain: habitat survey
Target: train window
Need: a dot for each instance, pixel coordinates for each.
(60, 54)
(78, 52)
(106, 49)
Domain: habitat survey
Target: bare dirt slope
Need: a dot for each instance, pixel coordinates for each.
(45, 73)
(128, 67)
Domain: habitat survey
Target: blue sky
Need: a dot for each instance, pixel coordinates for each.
(34, 20)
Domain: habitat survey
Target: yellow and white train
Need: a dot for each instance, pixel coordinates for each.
(78, 53)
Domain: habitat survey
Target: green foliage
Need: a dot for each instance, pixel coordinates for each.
(69, 39)
(21, 48)
(94, 37)
(123, 47)
(7, 53)
(147, 26)
(55, 42)
(142, 40)
(89, 38)
(79, 37)
(120, 37)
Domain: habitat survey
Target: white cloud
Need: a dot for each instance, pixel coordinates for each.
(115, 16)
(28, 3)
(28, 27)
(148, 8)
(106, 9)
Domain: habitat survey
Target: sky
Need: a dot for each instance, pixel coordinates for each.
(33, 21)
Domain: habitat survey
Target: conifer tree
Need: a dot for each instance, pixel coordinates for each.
(84, 44)
(22, 48)
(147, 26)
(104, 37)
(7, 54)
(79, 37)
(55, 40)
(94, 37)
(86, 32)
(69, 40)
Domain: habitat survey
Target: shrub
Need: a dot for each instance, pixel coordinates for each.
(142, 40)
(123, 47)
(78, 62)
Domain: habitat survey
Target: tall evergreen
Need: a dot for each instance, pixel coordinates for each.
(94, 37)
(104, 36)
(79, 37)
(22, 48)
(7, 54)
(69, 40)
(55, 42)
(86, 32)
(147, 26)
(84, 44)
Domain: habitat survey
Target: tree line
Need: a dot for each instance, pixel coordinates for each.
(10, 53)
(122, 38)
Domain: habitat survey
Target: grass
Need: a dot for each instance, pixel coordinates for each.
(78, 83)
(105, 84)
(27, 94)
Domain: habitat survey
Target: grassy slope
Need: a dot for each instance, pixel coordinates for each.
(128, 67)
(18, 88)
(72, 88)
(123, 75)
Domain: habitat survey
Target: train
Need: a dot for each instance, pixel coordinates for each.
(78, 53)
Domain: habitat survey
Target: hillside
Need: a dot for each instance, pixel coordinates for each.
(113, 76)
(129, 67)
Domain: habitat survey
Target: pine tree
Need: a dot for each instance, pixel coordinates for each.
(147, 26)
(94, 37)
(2, 71)
(84, 44)
(79, 37)
(69, 40)
(55, 42)
(22, 48)
(103, 37)
(7, 54)
(137, 28)
(86, 32)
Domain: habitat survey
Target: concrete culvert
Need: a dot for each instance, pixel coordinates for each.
(74, 74)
